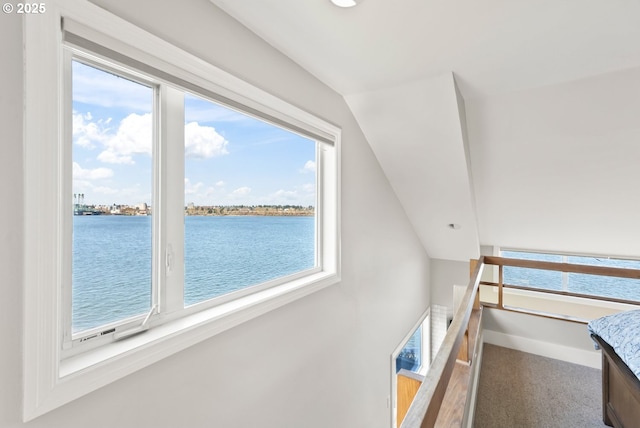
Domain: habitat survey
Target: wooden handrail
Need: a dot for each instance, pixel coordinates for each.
(426, 405)
(424, 410)
(558, 267)
(564, 267)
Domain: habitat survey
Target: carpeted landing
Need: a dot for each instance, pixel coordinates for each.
(519, 390)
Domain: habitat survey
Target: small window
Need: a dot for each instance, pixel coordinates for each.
(410, 357)
(410, 363)
(584, 284)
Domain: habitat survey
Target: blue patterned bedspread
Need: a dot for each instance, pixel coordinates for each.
(622, 332)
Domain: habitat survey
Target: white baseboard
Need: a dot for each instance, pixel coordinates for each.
(545, 349)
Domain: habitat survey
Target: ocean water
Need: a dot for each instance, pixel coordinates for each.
(592, 285)
(111, 269)
(227, 253)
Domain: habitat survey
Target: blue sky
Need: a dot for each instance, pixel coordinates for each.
(230, 158)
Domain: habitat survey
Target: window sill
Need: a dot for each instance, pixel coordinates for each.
(115, 360)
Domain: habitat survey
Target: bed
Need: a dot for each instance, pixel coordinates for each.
(618, 336)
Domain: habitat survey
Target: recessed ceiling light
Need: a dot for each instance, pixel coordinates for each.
(346, 3)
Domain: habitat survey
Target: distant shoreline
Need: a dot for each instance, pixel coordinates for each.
(254, 215)
(256, 211)
(199, 210)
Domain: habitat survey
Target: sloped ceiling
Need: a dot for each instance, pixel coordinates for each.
(415, 131)
(545, 149)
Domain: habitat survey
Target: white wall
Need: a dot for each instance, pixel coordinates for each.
(444, 275)
(556, 167)
(322, 361)
(548, 337)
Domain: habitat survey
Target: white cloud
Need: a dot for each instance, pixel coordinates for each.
(309, 166)
(109, 156)
(285, 195)
(299, 195)
(82, 186)
(203, 142)
(86, 132)
(202, 194)
(241, 191)
(133, 137)
(80, 173)
(309, 188)
(190, 188)
(105, 190)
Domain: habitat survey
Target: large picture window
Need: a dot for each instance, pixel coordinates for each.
(249, 198)
(169, 201)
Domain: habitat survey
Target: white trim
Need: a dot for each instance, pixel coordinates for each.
(172, 180)
(41, 297)
(545, 349)
(49, 381)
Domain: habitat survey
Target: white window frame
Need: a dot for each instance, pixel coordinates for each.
(80, 342)
(52, 375)
(425, 322)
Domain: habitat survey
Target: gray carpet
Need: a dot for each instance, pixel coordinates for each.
(518, 390)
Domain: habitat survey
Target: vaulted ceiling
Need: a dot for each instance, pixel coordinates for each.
(519, 121)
